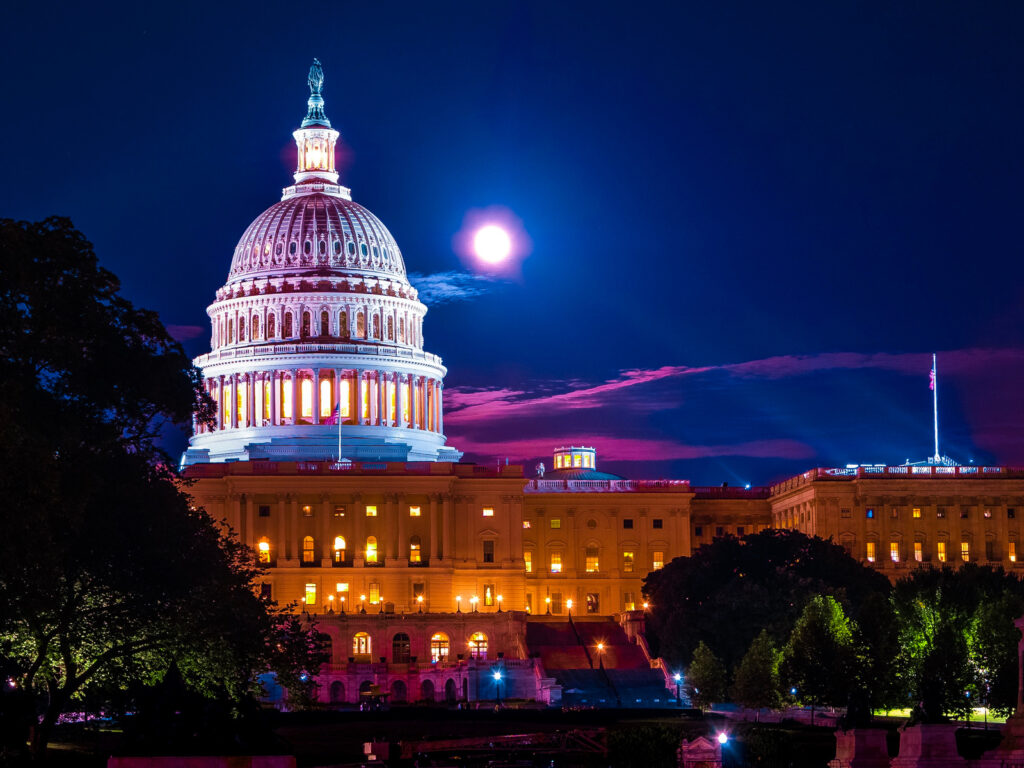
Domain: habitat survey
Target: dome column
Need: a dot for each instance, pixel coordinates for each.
(382, 397)
(221, 423)
(399, 399)
(233, 401)
(414, 408)
(275, 396)
(359, 394)
(294, 384)
(316, 395)
(251, 392)
(440, 410)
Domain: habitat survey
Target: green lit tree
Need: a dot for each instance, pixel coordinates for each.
(756, 682)
(706, 678)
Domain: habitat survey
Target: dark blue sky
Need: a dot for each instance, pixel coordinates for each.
(801, 201)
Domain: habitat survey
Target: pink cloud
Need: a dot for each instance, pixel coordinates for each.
(185, 332)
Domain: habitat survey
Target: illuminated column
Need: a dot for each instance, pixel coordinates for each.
(432, 522)
(336, 402)
(357, 414)
(280, 546)
(220, 404)
(295, 395)
(234, 400)
(446, 524)
(316, 395)
(440, 410)
(414, 408)
(251, 392)
(275, 395)
(293, 521)
(390, 508)
(400, 379)
(382, 406)
(353, 398)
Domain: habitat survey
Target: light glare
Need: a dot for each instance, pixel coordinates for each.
(492, 244)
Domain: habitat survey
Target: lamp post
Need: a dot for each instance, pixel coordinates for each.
(419, 599)
(497, 685)
(600, 655)
(568, 607)
(342, 605)
(458, 603)
(547, 602)
(362, 603)
(330, 603)
(473, 601)
(380, 602)
(679, 680)
(646, 605)
(499, 599)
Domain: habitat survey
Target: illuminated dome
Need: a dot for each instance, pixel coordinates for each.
(317, 334)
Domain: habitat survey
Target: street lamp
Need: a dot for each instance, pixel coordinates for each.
(362, 603)
(547, 601)
(380, 602)
(499, 599)
(419, 599)
(679, 680)
(568, 606)
(458, 603)
(723, 738)
(600, 655)
(646, 605)
(342, 605)
(497, 685)
(473, 601)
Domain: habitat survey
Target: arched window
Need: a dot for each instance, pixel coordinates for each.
(323, 246)
(439, 648)
(241, 329)
(391, 329)
(427, 690)
(325, 323)
(337, 692)
(271, 325)
(478, 646)
(231, 332)
(255, 326)
(263, 550)
(308, 549)
(307, 247)
(288, 322)
(415, 553)
(400, 648)
(361, 645)
(362, 249)
(339, 549)
(291, 248)
(371, 549)
(343, 324)
(351, 248)
(401, 330)
(306, 411)
(360, 325)
(326, 401)
(307, 323)
(376, 326)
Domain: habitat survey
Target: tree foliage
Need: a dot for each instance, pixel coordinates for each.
(108, 573)
(820, 658)
(706, 678)
(756, 683)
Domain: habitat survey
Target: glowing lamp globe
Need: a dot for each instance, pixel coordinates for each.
(723, 738)
(492, 244)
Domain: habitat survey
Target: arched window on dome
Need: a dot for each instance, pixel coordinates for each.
(323, 246)
(337, 247)
(307, 247)
(271, 325)
(351, 248)
(241, 329)
(292, 247)
(360, 325)
(306, 410)
(231, 332)
(326, 399)
(376, 326)
(307, 323)
(255, 326)
(401, 330)
(376, 253)
(277, 249)
(288, 323)
(325, 323)
(362, 249)
(343, 324)
(391, 328)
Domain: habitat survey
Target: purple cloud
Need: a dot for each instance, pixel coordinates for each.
(186, 332)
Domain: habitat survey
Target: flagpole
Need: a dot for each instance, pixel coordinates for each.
(338, 407)
(935, 405)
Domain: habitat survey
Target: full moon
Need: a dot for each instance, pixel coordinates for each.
(492, 244)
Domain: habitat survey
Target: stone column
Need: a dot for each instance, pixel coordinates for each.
(249, 537)
(432, 523)
(399, 399)
(402, 510)
(446, 523)
(414, 408)
(294, 551)
(357, 414)
(280, 547)
(326, 536)
(253, 422)
(234, 401)
(336, 404)
(316, 395)
(275, 396)
(295, 394)
(382, 398)
(440, 410)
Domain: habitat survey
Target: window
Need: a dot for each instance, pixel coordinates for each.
(1012, 551)
(266, 591)
(488, 511)
(658, 561)
(592, 561)
(965, 551)
(593, 602)
(894, 551)
(940, 512)
(917, 513)
(627, 523)
(325, 321)
(556, 562)
(698, 531)
(990, 550)
(489, 594)
(870, 551)
(988, 513)
(719, 531)
(263, 548)
(941, 551)
(628, 601)
(528, 561)
(556, 522)
(740, 530)
(342, 588)
(400, 648)
(627, 562)
(657, 523)
(488, 551)
(894, 513)
(965, 512)
(419, 589)
(375, 592)
(339, 511)
(371, 549)
(264, 510)
(310, 594)
(526, 524)
(414, 511)
(415, 554)
(371, 510)
(870, 514)
(556, 602)
(1011, 513)
(439, 648)
(478, 646)
(529, 602)
(339, 549)
(308, 550)
(844, 513)
(307, 510)
(361, 645)
(918, 551)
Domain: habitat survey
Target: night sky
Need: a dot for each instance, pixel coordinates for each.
(749, 225)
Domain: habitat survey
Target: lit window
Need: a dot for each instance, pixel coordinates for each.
(339, 549)
(415, 554)
(306, 411)
(988, 513)
(346, 396)
(339, 511)
(917, 512)
(941, 551)
(286, 401)
(593, 602)
(311, 594)
(658, 560)
(488, 511)
(556, 522)
(374, 592)
(628, 601)
(627, 562)
(1013, 552)
(264, 550)
(308, 549)
(414, 511)
(371, 549)
(371, 511)
(307, 510)
(1011, 513)
(439, 648)
(478, 646)
(556, 562)
(488, 594)
(361, 645)
(965, 551)
(871, 551)
(918, 551)
(528, 561)
(894, 551)
(264, 510)
(342, 587)
(870, 513)
(592, 561)
(577, 460)
(526, 523)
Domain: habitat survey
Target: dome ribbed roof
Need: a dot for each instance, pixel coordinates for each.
(316, 233)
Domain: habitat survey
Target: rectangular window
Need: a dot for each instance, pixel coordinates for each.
(528, 561)
(264, 510)
(311, 594)
(488, 551)
(1011, 513)
(941, 551)
(965, 551)
(990, 550)
(341, 587)
(894, 513)
(339, 511)
(266, 591)
(374, 592)
(894, 551)
(740, 530)
(556, 602)
(371, 511)
(627, 562)
(719, 531)
(656, 523)
(414, 511)
(556, 522)
(627, 523)
(488, 511)
(488, 594)
(415, 553)
(844, 513)
(307, 510)
(870, 551)
(917, 512)
(698, 531)
(556, 562)
(592, 562)
(529, 602)
(628, 601)
(940, 512)
(1013, 551)
(918, 551)
(869, 514)
(988, 514)
(965, 512)
(658, 561)
(593, 602)
(526, 524)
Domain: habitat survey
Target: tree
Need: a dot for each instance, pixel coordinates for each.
(731, 589)
(108, 573)
(706, 678)
(992, 644)
(756, 684)
(820, 658)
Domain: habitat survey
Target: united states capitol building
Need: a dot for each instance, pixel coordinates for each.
(445, 581)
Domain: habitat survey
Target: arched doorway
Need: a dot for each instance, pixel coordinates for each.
(399, 692)
(361, 647)
(427, 690)
(337, 692)
(400, 648)
(364, 687)
(478, 646)
(439, 648)
(450, 691)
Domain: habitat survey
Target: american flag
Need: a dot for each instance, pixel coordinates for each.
(931, 379)
(333, 418)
